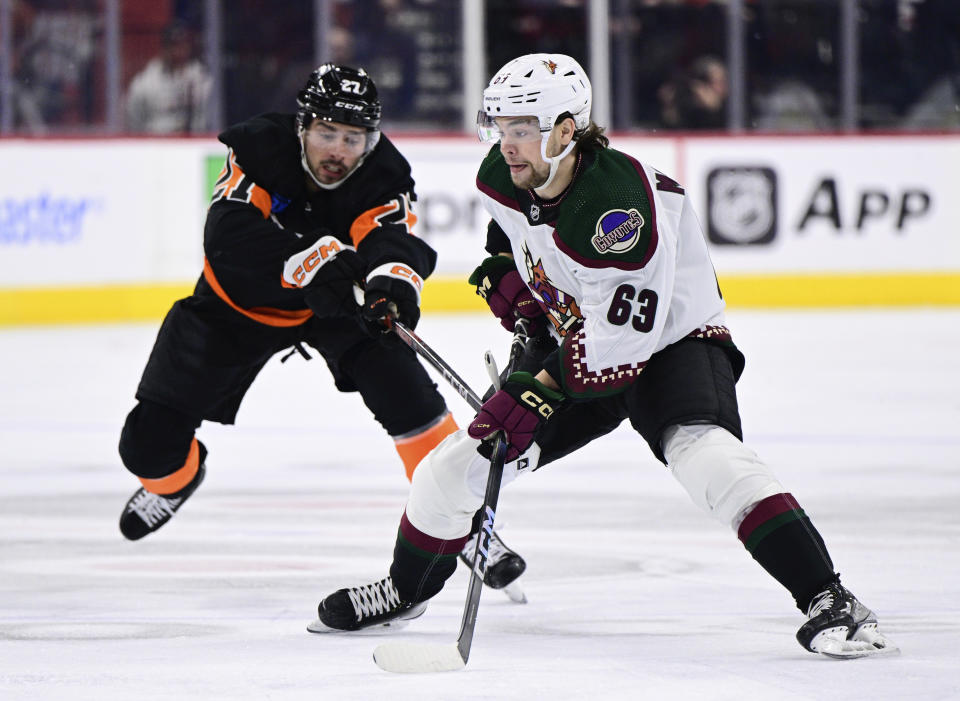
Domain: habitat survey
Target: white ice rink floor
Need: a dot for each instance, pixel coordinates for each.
(633, 592)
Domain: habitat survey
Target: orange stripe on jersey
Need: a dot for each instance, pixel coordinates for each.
(396, 211)
(229, 178)
(411, 218)
(370, 220)
(264, 315)
(178, 479)
(261, 199)
(230, 185)
(415, 448)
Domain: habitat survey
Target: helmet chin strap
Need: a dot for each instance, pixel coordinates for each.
(554, 162)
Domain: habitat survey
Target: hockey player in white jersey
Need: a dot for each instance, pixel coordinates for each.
(605, 254)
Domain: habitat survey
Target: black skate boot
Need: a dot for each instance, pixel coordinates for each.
(840, 626)
(504, 565)
(145, 511)
(377, 604)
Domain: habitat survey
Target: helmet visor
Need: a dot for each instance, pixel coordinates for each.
(508, 130)
(324, 134)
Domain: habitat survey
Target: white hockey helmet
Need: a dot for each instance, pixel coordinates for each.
(544, 86)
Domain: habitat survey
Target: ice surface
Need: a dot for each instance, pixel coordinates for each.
(634, 593)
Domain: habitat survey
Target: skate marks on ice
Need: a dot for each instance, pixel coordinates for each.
(630, 587)
(88, 631)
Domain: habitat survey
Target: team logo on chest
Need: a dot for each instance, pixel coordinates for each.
(561, 308)
(618, 231)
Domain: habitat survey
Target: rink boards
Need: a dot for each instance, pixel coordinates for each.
(111, 229)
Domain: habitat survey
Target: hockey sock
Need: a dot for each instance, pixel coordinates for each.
(180, 478)
(421, 563)
(157, 441)
(780, 536)
(415, 446)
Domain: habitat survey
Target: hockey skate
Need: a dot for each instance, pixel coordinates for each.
(504, 566)
(839, 626)
(146, 512)
(355, 608)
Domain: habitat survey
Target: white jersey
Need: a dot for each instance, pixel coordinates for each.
(165, 100)
(618, 262)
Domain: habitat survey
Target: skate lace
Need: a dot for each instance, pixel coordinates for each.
(827, 600)
(496, 550)
(152, 508)
(820, 605)
(373, 599)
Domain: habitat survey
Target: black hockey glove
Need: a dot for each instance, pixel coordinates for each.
(327, 271)
(392, 291)
(508, 296)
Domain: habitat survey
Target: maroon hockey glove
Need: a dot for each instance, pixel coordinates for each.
(508, 296)
(392, 290)
(520, 410)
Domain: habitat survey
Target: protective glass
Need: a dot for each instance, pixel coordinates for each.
(508, 129)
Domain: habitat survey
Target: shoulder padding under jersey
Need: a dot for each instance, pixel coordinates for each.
(267, 149)
(610, 217)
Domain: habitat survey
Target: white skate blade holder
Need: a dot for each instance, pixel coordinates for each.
(868, 642)
(418, 658)
(317, 626)
(515, 592)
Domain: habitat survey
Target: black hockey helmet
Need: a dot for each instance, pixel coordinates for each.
(342, 94)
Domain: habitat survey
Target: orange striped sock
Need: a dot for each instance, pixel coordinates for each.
(413, 449)
(178, 479)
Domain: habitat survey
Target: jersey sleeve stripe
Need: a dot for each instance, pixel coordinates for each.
(611, 263)
(497, 196)
(370, 220)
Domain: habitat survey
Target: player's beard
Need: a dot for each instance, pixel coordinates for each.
(338, 171)
(531, 177)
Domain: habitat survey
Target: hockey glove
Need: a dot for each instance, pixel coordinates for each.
(392, 291)
(520, 410)
(326, 270)
(508, 296)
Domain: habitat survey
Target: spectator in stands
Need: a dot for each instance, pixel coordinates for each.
(170, 95)
(791, 105)
(53, 64)
(697, 98)
(936, 47)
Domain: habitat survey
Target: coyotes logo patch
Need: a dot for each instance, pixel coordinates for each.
(561, 308)
(617, 231)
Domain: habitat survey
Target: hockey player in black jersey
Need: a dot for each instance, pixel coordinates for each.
(308, 207)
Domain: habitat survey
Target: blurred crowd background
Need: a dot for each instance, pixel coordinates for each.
(106, 67)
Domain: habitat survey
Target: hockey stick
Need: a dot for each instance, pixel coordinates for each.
(428, 354)
(407, 657)
(513, 590)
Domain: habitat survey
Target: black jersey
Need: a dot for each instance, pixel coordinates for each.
(262, 210)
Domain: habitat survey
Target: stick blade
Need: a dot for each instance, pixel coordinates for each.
(418, 658)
